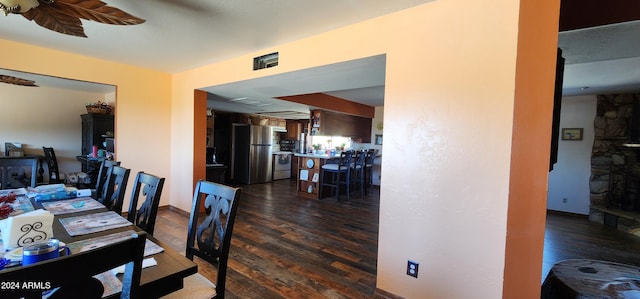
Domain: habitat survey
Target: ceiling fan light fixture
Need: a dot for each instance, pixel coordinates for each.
(17, 6)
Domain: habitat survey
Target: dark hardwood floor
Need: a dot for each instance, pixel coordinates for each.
(288, 247)
(284, 246)
(575, 237)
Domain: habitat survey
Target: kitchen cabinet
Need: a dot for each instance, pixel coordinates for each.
(296, 127)
(277, 122)
(329, 123)
(94, 128)
(216, 173)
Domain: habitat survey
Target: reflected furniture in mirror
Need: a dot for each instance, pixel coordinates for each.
(52, 164)
(18, 172)
(91, 166)
(95, 129)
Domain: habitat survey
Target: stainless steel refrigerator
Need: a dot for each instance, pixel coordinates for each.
(252, 154)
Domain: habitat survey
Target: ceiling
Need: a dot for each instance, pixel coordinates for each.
(603, 58)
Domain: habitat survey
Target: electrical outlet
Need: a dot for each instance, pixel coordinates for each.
(564, 200)
(412, 268)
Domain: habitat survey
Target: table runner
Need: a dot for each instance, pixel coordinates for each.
(73, 205)
(91, 223)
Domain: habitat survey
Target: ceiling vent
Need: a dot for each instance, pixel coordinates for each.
(265, 61)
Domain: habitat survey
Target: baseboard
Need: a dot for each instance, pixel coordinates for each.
(382, 294)
(568, 214)
(176, 210)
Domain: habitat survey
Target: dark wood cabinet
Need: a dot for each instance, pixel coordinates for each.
(296, 127)
(94, 126)
(328, 123)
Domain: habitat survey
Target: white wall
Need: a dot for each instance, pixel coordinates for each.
(45, 116)
(570, 175)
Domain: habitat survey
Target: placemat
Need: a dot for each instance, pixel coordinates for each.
(73, 205)
(21, 205)
(91, 223)
(79, 246)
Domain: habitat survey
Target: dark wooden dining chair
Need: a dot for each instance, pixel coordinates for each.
(105, 167)
(52, 165)
(209, 237)
(114, 188)
(150, 187)
(338, 174)
(13, 172)
(73, 274)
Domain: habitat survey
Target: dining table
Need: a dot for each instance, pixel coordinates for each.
(165, 277)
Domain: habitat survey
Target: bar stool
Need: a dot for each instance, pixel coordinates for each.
(340, 174)
(358, 168)
(368, 171)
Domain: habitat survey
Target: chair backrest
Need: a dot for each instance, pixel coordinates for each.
(114, 188)
(73, 273)
(105, 166)
(12, 172)
(346, 157)
(361, 157)
(209, 235)
(52, 164)
(371, 155)
(150, 186)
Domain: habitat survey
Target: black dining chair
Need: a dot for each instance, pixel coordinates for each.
(13, 172)
(114, 188)
(339, 174)
(209, 237)
(72, 276)
(105, 167)
(150, 187)
(55, 177)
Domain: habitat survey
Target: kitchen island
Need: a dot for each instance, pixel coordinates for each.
(309, 178)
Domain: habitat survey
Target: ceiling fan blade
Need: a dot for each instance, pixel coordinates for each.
(17, 81)
(95, 10)
(50, 17)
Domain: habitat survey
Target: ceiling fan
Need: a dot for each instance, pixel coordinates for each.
(17, 81)
(64, 16)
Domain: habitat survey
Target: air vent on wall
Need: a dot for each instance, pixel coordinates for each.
(265, 61)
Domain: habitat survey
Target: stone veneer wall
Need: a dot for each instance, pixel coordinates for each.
(615, 169)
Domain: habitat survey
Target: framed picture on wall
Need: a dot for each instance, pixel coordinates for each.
(378, 139)
(572, 133)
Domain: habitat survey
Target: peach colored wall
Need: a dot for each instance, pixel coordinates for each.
(449, 103)
(143, 106)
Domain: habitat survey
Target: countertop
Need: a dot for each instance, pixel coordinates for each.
(324, 156)
(282, 153)
(316, 156)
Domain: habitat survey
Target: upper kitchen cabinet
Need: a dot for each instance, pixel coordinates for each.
(329, 123)
(296, 127)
